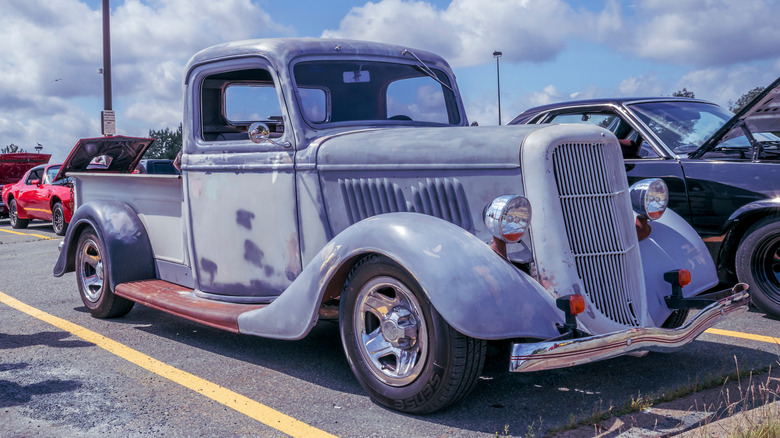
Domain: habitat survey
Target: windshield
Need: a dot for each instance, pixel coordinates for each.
(682, 126)
(345, 92)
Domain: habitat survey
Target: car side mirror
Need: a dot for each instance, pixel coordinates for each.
(258, 132)
(35, 182)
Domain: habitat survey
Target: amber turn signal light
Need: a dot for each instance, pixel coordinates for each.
(576, 304)
(680, 277)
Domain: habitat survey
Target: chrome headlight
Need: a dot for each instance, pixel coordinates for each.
(649, 198)
(508, 217)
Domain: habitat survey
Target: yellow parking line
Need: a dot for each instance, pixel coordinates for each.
(30, 234)
(224, 396)
(741, 335)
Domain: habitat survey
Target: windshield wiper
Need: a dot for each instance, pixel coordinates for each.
(427, 70)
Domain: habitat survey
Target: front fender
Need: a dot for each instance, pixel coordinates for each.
(476, 291)
(674, 244)
(126, 248)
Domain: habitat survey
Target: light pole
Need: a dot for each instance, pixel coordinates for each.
(497, 54)
(38, 148)
(107, 119)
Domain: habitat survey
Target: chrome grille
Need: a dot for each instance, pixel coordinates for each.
(600, 228)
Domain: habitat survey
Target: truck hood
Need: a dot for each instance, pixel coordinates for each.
(13, 166)
(430, 148)
(761, 115)
(117, 154)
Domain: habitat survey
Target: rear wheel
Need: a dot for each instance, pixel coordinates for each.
(92, 279)
(58, 219)
(758, 264)
(401, 350)
(14, 216)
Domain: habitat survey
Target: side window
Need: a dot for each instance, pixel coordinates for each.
(247, 103)
(419, 98)
(232, 101)
(631, 143)
(604, 120)
(50, 174)
(314, 102)
(35, 174)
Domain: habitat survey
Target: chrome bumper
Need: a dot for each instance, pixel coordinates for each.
(549, 355)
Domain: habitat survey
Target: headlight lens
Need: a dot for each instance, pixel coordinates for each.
(649, 198)
(508, 217)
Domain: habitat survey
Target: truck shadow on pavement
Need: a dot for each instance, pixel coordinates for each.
(505, 403)
(15, 393)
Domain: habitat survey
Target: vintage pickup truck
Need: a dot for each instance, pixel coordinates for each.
(339, 179)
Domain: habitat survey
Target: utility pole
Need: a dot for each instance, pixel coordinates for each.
(496, 54)
(107, 117)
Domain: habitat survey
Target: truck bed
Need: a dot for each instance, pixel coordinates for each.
(156, 198)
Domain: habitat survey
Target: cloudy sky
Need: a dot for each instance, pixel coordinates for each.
(553, 50)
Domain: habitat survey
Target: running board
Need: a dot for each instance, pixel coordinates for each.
(181, 301)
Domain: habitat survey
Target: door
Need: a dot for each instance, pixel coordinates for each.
(30, 197)
(240, 195)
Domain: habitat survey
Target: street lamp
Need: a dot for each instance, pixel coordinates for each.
(107, 118)
(497, 54)
(39, 148)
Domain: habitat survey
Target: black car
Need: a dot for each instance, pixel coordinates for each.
(157, 166)
(721, 169)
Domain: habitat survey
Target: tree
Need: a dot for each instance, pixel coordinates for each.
(11, 148)
(744, 99)
(166, 145)
(683, 93)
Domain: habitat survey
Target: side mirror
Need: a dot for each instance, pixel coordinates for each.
(35, 182)
(258, 132)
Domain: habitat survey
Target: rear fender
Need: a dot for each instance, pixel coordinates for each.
(476, 291)
(127, 251)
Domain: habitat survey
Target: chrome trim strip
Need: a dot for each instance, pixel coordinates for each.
(549, 355)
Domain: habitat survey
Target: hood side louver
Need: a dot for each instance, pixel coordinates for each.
(439, 197)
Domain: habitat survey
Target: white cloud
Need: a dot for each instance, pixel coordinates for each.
(468, 31)
(707, 32)
(51, 52)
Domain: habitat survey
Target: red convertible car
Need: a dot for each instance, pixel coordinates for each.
(38, 196)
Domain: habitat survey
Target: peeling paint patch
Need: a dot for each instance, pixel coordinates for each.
(253, 254)
(210, 268)
(244, 218)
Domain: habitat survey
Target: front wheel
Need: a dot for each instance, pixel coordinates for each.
(758, 264)
(58, 219)
(400, 349)
(14, 216)
(92, 278)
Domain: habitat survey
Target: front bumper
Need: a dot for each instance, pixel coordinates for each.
(553, 354)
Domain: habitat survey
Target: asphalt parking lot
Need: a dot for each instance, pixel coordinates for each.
(64, 373)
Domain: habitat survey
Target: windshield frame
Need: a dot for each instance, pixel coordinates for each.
(452, 103)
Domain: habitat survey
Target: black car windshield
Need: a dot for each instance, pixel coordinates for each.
(338, 92)
(682, 126)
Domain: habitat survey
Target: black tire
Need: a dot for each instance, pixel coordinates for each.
(92, 278)
(58, 219)
(758, 264)
(417, 363)
(676, 319)
(13, 213)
